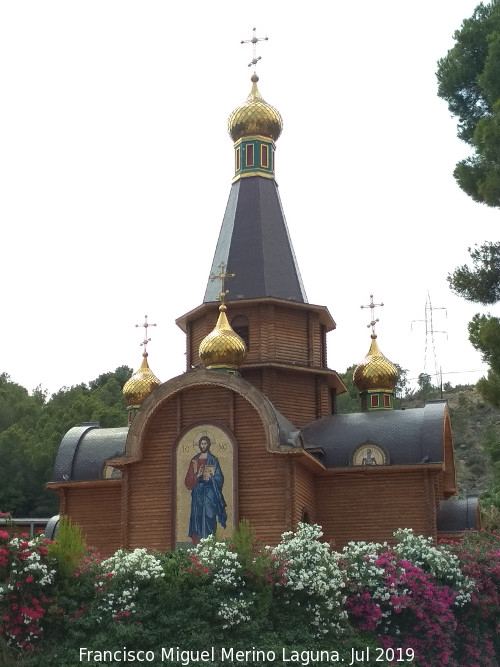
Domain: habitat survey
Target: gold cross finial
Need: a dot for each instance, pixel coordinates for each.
(146, 339)
(222, 276)
(254, 41)
(372, 307)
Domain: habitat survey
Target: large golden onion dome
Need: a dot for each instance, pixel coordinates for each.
(140, 385)
(222, 348)
(255, 117)
(375, 372)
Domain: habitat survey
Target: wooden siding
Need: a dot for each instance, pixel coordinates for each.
(262, 477)
(292, 337)
(277, 333)
(206, 403)
(430, 502)
(303, 495)
(149, 488)
(326, 405)
(256, 377)
(293, 394)
(371, 506)
(96, 508)
(197, 331)
(315, 333)
(300, 396)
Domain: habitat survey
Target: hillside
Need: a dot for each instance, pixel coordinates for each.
(470, 418)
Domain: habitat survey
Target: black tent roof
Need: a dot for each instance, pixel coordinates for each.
(254, 244)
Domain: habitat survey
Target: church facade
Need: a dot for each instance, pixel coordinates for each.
(250, 430)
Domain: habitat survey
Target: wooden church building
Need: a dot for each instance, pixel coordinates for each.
(250, 430)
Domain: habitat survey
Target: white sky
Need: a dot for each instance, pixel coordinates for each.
(116, 166)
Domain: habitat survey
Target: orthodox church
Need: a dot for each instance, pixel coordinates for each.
(250, 429)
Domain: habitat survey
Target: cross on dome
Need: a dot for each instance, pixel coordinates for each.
(146, 339)
(374, 321)
(222, 276)
(254, 41)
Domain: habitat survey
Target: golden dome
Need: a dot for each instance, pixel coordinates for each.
(140, 385)
(222, 348)
(255, 116)
(375, 372)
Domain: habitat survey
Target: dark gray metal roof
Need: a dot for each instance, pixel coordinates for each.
(52, 528)
(254, 244)
(84, 450)
(288, 434)
(407, 436)
(457, 514)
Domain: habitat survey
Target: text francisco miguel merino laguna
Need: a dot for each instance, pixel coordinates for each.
(231, 656)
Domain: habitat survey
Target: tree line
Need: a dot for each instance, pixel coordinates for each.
(31, 429)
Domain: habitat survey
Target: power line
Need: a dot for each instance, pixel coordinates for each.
(429, 333)
(473, 370)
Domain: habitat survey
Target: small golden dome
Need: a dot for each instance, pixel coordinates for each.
(255, 117)
(140, 385)
(222, 348)
(375, 372)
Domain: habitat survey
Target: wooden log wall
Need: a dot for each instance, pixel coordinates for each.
(277, 333)
(370, 506)
(148, 502)
(198, 329)
(288, 334)
(96, 508)
(294, 395)
(303, 495)
(291, 332)
(263, 478)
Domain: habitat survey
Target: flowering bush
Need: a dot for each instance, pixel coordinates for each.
(365, 587)
(401, 596)
(440, 562)
(418, 613)
(441, 602)
(138, 565)
(477, 637)
(26, 576)
(226, 575)
(313, 580)
(119, 580)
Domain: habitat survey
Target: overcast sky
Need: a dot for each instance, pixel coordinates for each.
(116, 166)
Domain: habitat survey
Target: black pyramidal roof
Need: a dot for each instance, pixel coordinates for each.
(254, 244)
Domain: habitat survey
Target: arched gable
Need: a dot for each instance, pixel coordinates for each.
(280, 434)
(154, 493)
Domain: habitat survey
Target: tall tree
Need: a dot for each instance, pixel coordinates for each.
(484, 334)
(481, 284)
(469, 80)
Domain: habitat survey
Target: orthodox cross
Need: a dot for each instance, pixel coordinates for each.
(372, 307)
(222, 276)
(146, 339)
(254, 41)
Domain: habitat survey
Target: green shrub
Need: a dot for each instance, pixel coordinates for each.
(69, 548)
